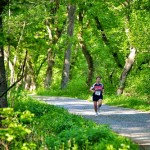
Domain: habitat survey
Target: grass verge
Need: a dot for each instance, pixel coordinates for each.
(134, 102)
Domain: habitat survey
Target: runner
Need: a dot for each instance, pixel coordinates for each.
(98, 91)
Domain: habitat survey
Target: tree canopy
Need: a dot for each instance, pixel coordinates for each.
(49, 44)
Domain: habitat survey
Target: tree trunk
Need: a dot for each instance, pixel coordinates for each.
(67, 57)
(3, 82)
(54, 35)
(49, 72)
(85, 51)
(130, 60)
(106, 41)
(12, 73)
(30, 79)
(50, 59)
(29, 82)
(10, 65)
(128, 65)
(89, 62)
(14, 62)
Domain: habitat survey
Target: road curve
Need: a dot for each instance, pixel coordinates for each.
(127, 122)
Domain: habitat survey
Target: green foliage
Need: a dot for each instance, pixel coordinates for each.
(25, 27)
(139, 103)
(56, 129)
(140, 83)
(89, 138)
(133, 96)
(14, 133)
(76, 88)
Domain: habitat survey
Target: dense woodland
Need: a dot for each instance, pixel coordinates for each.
(59, 47)
(51, 44)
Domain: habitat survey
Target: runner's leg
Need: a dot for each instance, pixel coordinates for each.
(99, 104)
(95, 106)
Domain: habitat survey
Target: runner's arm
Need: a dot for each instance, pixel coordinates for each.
(92, 89)
(103, 91)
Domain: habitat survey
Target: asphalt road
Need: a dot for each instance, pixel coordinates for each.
(127, 122)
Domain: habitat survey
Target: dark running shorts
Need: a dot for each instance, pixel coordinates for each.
(96, 98)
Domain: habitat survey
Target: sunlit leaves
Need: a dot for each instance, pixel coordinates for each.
(13, 129)
(36, 15)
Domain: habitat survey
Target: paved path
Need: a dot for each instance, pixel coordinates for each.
(126, 122)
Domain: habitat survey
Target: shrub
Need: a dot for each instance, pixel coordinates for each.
(14, 134)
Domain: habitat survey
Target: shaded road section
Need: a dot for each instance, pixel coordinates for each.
(127, 122)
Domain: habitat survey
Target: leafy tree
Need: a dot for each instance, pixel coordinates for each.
(67, 57)
(3, 82)
(95, 37)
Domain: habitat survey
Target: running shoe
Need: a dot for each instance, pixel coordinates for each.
(96, 114)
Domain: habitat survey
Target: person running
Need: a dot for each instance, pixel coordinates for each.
(98, 91)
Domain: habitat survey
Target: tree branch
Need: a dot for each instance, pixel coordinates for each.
(44, 60)
(21, 77)
(107, 42)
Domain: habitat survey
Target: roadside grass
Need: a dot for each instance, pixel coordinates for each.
(54, 128)
(66, 93)
(76, 89)
(134, 102)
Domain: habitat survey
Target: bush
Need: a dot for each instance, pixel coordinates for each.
(93, 138)
(14, 134)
